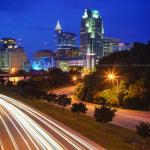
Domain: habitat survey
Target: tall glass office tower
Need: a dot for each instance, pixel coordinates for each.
(64, 39)
(91, 35)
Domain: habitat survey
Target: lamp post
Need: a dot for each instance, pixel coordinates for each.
(13, 70)
(112, 77)
(74, 78)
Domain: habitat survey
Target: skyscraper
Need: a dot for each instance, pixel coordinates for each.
(66, 43)
(91, 35)
(64, 39)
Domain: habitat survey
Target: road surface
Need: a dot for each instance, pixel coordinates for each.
(125, 118)
(24, 128)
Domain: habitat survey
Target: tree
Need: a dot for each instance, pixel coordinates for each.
(2, 81)
(21, 73)
(109, 97)
(10, 83)
(143, 130)
(134, 79)
(32, 92)
(57, 77)
(79, 108)
(104, 114)
(135, 96)
(63, 100)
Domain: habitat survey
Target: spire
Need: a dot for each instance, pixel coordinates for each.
(58, 26)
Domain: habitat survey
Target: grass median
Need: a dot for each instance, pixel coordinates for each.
(110, 136)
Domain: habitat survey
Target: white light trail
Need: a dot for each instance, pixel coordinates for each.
(36, 132)
(1, 145)
(18, 110)
(9, 133)
(1, 110)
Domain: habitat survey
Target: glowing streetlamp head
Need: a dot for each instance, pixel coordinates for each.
(111, 76)
(74, 78)
(13, 70)
(83, 75)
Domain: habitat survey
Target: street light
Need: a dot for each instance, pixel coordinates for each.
(74, 78)
(112, 77)
(13, 70)
(83, 75)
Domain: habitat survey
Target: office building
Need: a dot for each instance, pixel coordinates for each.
(17, 58)
(44, 53)
(8, 43)
(66, 43)
(91, 33)
(42, 63)
(65, 64)
(64, 38)
(43, 60)
(91, 37)
(109, 45)
(12, 57)
(68, 52)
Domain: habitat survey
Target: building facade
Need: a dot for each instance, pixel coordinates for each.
(91, 33)
(17, 58)
(43, 60)
(68, 52)
(65, 64)
(64, 39)
(8, 43)
(12, 58)
(44, 53)
(109, 45)
(66, 43)
(42, 63)
(91, 37)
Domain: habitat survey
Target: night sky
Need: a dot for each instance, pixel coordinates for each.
(34, 20)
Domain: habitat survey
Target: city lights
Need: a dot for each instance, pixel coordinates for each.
(112, 76)
(13, 70)
(74, 78)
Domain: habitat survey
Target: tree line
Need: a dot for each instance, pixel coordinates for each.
(133, 70)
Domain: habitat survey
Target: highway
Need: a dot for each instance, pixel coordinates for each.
(24, 128)
(124, 117)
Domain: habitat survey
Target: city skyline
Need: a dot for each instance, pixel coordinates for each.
(30, 20)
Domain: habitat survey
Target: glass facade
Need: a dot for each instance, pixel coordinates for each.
(64, 39)
(91, 33)
(109, 44)
(43, 63)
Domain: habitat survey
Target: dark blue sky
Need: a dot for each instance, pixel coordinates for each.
(34, 20)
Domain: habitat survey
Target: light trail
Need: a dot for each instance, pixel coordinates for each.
(41, 117)
(9, 133)
(1, 110)
(35, 131)
(1, 145)
(40, 137)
